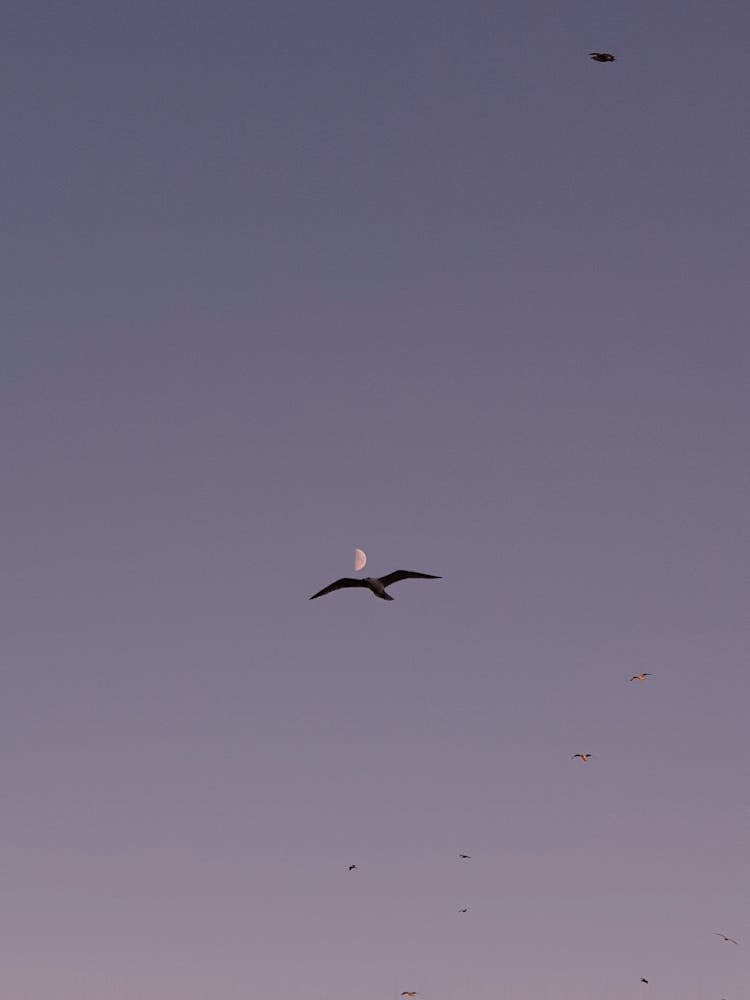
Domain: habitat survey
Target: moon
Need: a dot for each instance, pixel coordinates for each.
(360, 559)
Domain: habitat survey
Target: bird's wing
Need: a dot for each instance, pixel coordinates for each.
(345, 581)
(406, 574)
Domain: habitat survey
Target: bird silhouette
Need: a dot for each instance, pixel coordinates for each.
(352, 868)
(410, 994)
(585, 757)
(464, 910)
(465, 857)
(724, 936)
(644, 980)
(602, 56)
(374, 583)
(640, 677)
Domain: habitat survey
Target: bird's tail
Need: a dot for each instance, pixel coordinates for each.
(384, 596)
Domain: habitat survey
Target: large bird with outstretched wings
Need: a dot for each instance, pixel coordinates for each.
(374, 583)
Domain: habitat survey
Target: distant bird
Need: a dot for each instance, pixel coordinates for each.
(465, 857)
(585, 757)
(352, 868)
(640, 677)
(376, 584)
(602, 56)
(724, 936)
(644, 980)
(410, 994)
(464, 910)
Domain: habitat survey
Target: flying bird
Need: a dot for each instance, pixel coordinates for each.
(410, 994)
(644, 980)
(464, 910)
(585, 757)
(352, 868)
(640, 677)
(724, 936)
(465, 857)
(376, 584)
(602, 56)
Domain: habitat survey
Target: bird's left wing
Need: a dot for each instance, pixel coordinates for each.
(345, 581)
(406, 574)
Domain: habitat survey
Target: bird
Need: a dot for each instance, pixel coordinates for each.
(465, 857)
(644, 980)
(602, 56)
(376, 584)
(464, 910)
(719, 934)
(352, 868)
(584, 756)
(410, 994)
(640, 677)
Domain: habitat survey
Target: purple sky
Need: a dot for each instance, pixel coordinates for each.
(283, 278)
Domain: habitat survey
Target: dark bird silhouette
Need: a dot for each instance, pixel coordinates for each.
(376, 584)
(644, 980)
(465, 857)
(602, 56)
(724, 936)
(352, 868)
(464, 910)
(585, 757)
(640, 677)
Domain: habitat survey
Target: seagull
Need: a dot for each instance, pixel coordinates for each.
(585, 757)
(465, 857)
(640, 677)
(376, 584)
(602, 56)
(352, 868)
(719, 934)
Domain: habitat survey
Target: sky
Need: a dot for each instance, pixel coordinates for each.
(284, 278)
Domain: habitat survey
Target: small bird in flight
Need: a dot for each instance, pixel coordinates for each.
(376, 584)
(410, 994)
(352, 868)
(724, 936)
(640, 677)
(465, 857)
(585, 757)
(464, 910)
(644, 980)
(602, 56)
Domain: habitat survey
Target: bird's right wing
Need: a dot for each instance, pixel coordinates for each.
(406, 574)
(345, 581)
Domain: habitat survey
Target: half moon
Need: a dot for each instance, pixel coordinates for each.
(360, 559)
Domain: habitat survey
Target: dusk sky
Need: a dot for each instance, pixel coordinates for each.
(284, 278)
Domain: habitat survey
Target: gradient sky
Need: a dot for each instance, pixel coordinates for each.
(283, 278)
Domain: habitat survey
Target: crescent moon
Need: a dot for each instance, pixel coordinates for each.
(360, 559)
